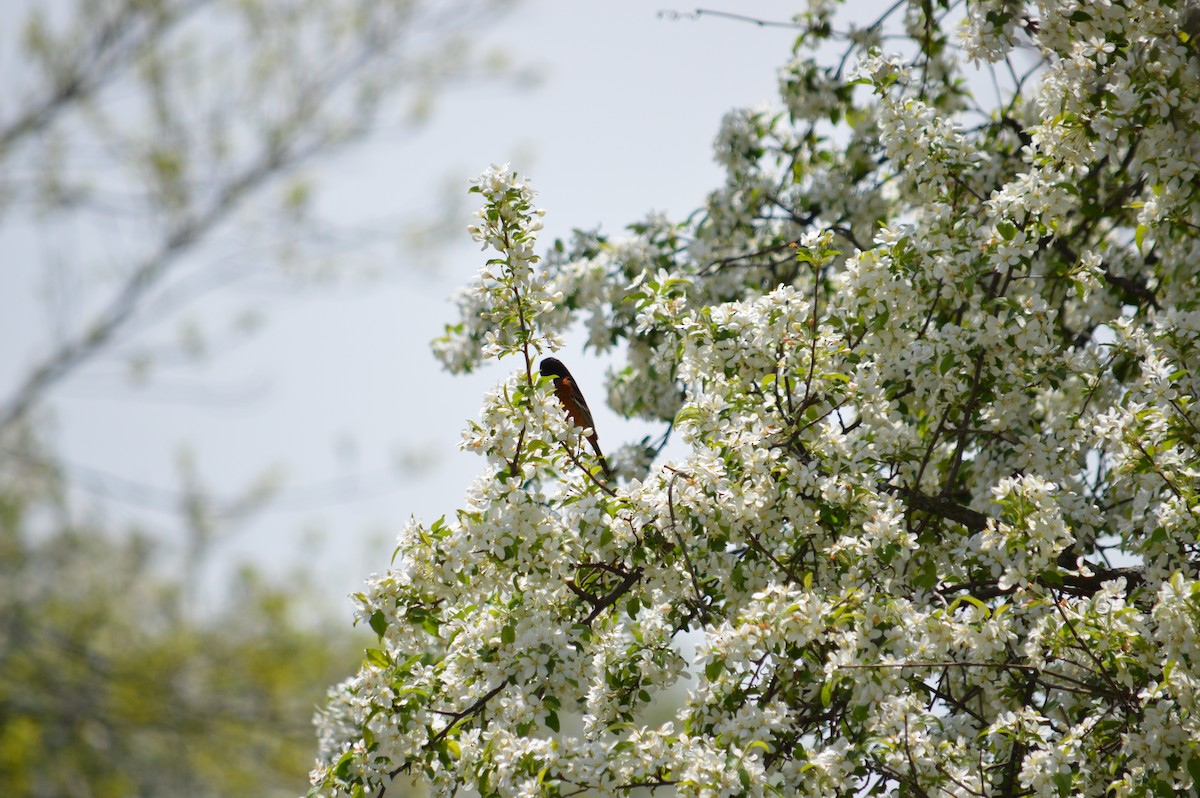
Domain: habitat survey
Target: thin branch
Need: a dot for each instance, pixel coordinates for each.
(687, 560)
(114, 46)
(631, 578)
(456, 718)
(708, 12)
(178, 242)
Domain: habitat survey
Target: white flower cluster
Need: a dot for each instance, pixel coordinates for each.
(489, 326)
(934, 523)
(1030, 536)
(990, 29)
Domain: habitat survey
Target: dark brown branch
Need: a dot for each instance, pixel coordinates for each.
(1081, 585)
(456, 717)
(748, 259)
(1130, 285)
(1075, 584)
(973, 520)
(687, 560)
(603, 603)
(1016, 752)
(587, 472)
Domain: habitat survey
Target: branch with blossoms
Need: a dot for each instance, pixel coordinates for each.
(929, 515)
(472, 610)
(599, 603)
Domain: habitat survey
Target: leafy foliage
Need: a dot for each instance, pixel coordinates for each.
(936, 524)
(107, 680)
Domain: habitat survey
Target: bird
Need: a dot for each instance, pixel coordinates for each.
(571, 398)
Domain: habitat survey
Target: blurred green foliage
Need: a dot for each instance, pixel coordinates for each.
(110, 687)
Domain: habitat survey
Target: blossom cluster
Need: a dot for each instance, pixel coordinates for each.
(931, 519)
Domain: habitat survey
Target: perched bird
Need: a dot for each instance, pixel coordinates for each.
(568, 393)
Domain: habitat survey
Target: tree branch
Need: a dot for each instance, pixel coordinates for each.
(1075, 584)
(145, 277)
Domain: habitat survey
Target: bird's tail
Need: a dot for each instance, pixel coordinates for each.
(600, 456)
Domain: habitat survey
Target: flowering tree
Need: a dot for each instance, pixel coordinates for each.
(935, 524)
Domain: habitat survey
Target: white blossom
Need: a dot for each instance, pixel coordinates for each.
(926, 362)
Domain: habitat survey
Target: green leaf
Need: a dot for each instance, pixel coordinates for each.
(1126, 366)
(378, 623)
(341, 770)
(969, 599)
(1163, 789)
(927, 575)
(1193, 768)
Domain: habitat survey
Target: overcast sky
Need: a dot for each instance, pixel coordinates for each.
(339, 383)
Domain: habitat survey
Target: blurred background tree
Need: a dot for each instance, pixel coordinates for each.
(152, 151)
(109, 688)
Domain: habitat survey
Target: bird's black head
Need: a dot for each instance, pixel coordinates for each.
(553, 367)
